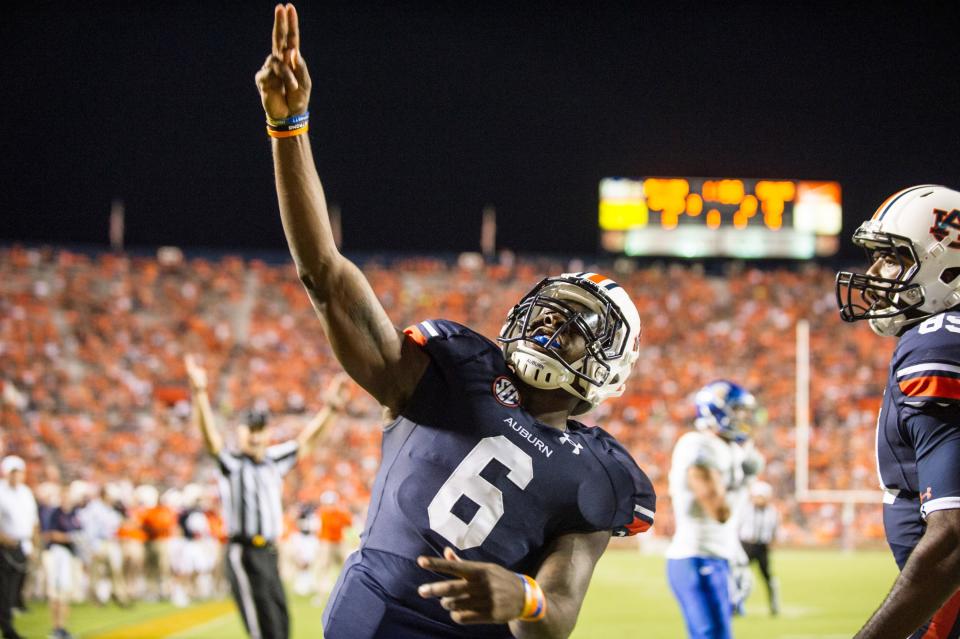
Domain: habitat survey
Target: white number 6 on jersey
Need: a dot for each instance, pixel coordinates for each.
(466, 480)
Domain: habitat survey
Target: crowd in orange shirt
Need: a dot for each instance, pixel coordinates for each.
(91, 350)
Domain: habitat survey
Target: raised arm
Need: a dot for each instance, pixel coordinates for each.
(334, 400)
(367, 344)
(202, 412)
(708, 489)
(488, 593)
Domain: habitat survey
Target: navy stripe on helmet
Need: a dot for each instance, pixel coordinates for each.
(894, 200)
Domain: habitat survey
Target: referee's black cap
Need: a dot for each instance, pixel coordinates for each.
(255, 418)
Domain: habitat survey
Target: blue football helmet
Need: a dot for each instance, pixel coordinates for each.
(727, 409)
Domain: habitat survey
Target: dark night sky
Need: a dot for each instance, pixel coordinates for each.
(424, 112)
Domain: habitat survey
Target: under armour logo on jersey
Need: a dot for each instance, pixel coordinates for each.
(565, 439)
(505, 392)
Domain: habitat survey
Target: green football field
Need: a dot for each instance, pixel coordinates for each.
(825, 594)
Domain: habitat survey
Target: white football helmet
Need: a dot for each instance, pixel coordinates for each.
(916, 232)
(535, 333)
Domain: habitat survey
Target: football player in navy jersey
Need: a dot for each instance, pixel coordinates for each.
(491, 506)
(912, 291)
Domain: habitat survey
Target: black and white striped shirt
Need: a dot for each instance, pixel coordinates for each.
(758, 525)
(250, 491)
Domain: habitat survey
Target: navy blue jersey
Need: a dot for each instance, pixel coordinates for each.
(466, 466)
(64, 521)
(918, 433)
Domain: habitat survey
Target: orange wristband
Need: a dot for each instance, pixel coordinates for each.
(534, 602)
(288, 134)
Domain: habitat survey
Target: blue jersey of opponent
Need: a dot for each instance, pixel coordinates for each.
(466, 466)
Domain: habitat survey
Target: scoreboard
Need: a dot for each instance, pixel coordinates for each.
(720, 217)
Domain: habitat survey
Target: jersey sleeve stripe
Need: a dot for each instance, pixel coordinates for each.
(941, 503)
(431, 330)
(645, 512)
(931, 366)
(416, 335)
(932, 386)
(638, 526)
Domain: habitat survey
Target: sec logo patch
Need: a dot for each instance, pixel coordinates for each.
(505, 392)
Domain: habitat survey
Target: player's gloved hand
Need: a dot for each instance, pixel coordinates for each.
(482, 592)
(283, 81)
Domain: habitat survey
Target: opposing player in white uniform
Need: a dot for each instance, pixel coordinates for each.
(708, 475)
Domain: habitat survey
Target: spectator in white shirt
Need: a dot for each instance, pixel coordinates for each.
(18, 532)
(101, 520)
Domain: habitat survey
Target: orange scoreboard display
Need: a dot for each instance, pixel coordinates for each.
(720, 217)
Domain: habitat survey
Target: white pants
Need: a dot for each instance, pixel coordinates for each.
(58, 565)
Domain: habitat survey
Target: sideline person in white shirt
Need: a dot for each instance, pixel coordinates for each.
(101, 520)
(19, 531)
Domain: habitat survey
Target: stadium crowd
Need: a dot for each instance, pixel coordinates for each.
(95, 395)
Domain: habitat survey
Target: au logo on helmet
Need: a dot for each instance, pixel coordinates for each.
(944, 222)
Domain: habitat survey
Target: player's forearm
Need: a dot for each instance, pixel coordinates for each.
(558, 624)
(564, 578)
(930, 577)
(716, 507)
(313, 431)
(303, 210)
(714, 503)
(708, 489)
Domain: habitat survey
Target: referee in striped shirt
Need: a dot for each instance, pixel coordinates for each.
(251, 483)
(758, 528)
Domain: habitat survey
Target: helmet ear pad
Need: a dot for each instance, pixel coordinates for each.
(536, 370)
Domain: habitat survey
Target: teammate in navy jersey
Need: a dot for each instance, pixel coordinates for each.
(485, 477)
(912, 291)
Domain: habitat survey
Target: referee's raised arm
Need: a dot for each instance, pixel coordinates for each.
(202, 412)
(334, 401)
